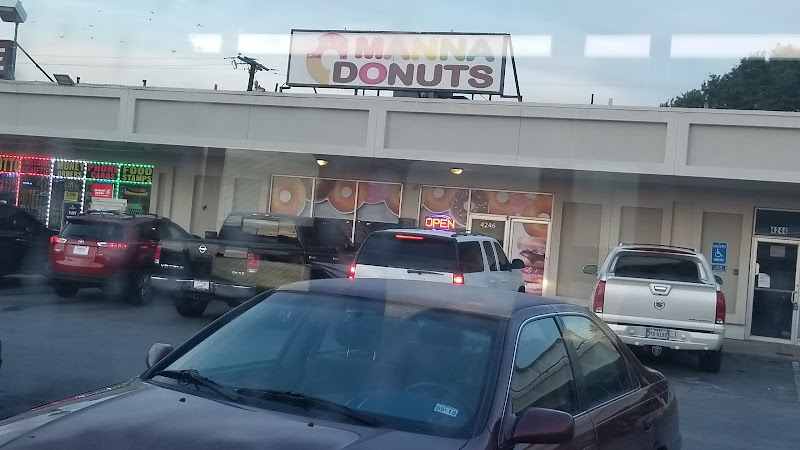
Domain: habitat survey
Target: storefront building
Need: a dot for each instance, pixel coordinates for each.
(43, 185)
(558, 186)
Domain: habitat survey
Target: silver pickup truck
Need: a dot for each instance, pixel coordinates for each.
(656, 297)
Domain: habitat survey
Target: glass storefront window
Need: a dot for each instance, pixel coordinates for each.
(137, 195)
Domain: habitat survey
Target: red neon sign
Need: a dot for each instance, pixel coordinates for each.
(442, 222)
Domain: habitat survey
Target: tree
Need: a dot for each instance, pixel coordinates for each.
(757, 82)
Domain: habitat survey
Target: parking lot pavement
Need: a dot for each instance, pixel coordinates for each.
(54, 348)
(751, 404)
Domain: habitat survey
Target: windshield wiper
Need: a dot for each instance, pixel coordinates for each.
(424, 272)
(310, 402)
(191, 376)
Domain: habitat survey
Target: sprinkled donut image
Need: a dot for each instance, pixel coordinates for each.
(374, 193)
(288, 196)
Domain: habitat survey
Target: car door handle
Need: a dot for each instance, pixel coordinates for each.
(20, 239)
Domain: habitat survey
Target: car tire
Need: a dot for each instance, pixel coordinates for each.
(521, 289)
(711, 361)
(64, 289)
(190, 307)
(141, 292)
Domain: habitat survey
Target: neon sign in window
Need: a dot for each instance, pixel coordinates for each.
(440, 222)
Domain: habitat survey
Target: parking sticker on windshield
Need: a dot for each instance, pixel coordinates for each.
(444, 409)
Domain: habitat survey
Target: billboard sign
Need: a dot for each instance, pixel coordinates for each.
(450, 62)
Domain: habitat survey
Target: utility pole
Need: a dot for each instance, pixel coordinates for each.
(253, 66)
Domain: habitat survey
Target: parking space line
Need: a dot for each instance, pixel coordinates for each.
(796, 367)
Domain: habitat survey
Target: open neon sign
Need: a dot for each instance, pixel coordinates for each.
(440, 222)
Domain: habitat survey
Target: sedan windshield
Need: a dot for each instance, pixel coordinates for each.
(410, 368)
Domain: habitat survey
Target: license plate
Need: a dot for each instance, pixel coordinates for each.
(81, 250)
(202, 285)
(657, 333)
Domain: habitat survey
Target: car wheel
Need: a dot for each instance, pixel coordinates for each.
(521, 289)
(64, 289)
(711, 361)
(190, 307)
(141, 290)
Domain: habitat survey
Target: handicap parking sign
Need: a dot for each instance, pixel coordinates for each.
(719, 253)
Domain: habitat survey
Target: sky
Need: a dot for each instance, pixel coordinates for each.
(636, 52)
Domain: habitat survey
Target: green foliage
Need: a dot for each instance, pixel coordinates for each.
(757, 82)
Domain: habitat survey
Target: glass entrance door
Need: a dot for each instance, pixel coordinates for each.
(490, 225)
(524, 239)
(775, 291)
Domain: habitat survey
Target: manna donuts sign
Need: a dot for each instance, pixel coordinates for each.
(466, 63)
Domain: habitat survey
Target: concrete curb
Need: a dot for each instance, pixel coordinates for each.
(762, 349)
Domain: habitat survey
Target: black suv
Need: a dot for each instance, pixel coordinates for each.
(23, 242)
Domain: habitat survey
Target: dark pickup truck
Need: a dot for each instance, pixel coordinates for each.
(252, 252)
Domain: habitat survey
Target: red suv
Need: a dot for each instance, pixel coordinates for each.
(110, 250)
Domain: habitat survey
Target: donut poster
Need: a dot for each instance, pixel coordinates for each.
(335, 199)
(529, 243)
(379, 202)
(291, 196)
(504, 203)
(442, 200)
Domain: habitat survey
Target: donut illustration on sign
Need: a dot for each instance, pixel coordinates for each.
(328, 41)
(288, 196)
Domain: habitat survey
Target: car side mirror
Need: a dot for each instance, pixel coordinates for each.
(543, 426)
(590, 269)
(718, 279)
(157, 353)
(211, 234)
(517, 264)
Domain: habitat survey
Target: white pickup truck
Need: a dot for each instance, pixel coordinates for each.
(656, 297)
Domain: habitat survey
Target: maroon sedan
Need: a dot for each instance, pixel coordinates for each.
(358, 364)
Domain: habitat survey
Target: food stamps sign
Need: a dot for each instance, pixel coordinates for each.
(464, 63)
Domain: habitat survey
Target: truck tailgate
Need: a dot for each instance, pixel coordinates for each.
(186, 258)
(690, 306)
(261, 267)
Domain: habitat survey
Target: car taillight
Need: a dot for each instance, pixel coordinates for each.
(458, 279)
(253, 262)
(721, 309)
(157, 256)
(115, 245)
(599, 297)
(352, 272)
(57, 240)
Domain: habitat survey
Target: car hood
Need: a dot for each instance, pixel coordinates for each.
(140, 415)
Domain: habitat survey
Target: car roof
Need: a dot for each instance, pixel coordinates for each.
(446, 296)
(440, 233)
(99, 216)
(658, 248)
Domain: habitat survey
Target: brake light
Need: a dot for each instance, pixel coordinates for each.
(458, 279)
(115, 245)
(599, 297)
(721, 309)
(409, 237)
(352, 272)
(253, 261)
(157, 256)
(57, 240)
